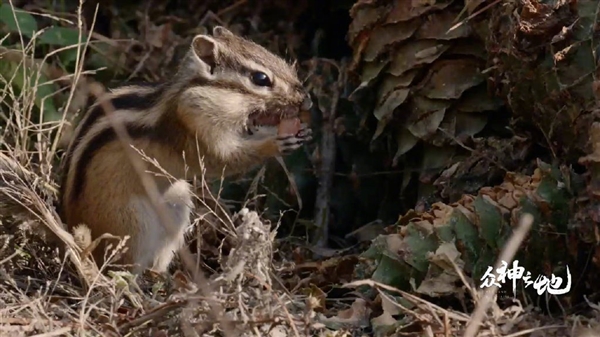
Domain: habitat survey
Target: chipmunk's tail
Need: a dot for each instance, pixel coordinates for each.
(25, 199)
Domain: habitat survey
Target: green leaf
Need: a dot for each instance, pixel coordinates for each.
(393, 272)
(491, 221)
(26, 22)
(60, 36)
(68, 57)
(418, 243)
(467, 236)
(26, 80)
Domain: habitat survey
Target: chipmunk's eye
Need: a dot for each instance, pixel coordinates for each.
(261, 79)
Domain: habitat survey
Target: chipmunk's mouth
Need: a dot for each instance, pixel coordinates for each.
(268, 121)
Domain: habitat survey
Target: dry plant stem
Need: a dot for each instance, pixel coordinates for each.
(153, 195)
(528, 331)
(486, 7)
(327, 169)
(78, 67)
(231, 7)
(59, 332)
(507, 254)
(287, 313)
(156, 313)
(417, 301)
(46, 216)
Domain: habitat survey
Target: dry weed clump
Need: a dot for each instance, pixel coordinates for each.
(49, 285)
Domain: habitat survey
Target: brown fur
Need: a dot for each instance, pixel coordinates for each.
(202, 113)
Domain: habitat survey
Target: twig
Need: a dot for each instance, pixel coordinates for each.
(507, 254)
(59, 332)
(231, 7)
(160, 311)
(327, 149)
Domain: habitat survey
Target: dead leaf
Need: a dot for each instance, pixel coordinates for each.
(385, 35)
(405, 10)
(367, 232)
(388, 306)
(370, 71)
(448, 79)
(441, 276)
(446, 132)
(381, 125)
(406, 141)
(425, 116)
(364, 17)
(435, 157)
(315, 297)
(478, 99)
(472, 5)
(394, 99)
(470, 124)
(382, 321)
(391, 82)
(356, 316)
(437, 24)
(440, 285)
(415, 53)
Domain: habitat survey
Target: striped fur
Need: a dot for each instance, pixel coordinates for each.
(201, 112)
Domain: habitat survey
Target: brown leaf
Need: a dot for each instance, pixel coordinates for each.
(472, 5)
(415, 53)
(383, 320)
(448, 79)
(381, 125)
(386, 35)
(446, 130)
(315, 297)
(470, 124)
(393, 100)
(425, 116)
(364, 17)
(355, 316)
(370, 71)
(435, 157)
(437, 24)
(406, 141)
(441, 277)
(368, 232)
(405, 10)
(478, 99)
(391, 83)
(360, 44)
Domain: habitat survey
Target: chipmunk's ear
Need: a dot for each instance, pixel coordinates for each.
(206, 49)
(221, 31)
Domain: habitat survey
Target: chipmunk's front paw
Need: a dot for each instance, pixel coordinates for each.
(289, 143)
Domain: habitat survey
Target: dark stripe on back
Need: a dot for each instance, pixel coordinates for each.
(163, 132)
(129, 101)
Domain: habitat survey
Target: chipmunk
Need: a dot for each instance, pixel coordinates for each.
(223, 106)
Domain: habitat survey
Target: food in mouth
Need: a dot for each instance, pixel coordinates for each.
(289, 126)
(280, 123)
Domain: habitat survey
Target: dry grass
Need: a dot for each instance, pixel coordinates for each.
(46, 292)
(43, 293)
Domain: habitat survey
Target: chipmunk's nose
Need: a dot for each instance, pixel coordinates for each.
(306, 103)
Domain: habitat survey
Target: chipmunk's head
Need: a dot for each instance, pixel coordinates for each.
(234, 85)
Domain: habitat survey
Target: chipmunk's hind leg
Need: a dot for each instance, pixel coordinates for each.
(157, 245)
